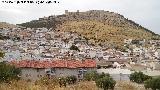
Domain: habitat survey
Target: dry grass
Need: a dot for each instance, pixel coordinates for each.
(84, 85)
(6, 25)
(23, 85)
(127, 85)
(98, 32)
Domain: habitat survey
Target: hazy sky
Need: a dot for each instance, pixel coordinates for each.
(144, 12)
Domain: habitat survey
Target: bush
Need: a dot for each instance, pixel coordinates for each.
(1, 54)
(154, 84)
(73, 47)
(103, 75)
(71, 79)
(139, 77)
(105, 82)
(91, 76)
(8, 72)
(62, 81)
(102, 80)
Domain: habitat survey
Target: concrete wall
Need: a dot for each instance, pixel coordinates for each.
(117, 74)
(32, 74)
(35, 74)
(62, 72)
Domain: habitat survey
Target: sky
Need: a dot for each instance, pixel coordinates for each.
(143, 12)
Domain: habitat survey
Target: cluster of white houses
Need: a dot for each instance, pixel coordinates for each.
(40, 51)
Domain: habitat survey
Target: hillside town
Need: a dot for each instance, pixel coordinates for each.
(41, 51)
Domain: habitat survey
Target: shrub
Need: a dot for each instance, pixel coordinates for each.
(62, 81)
(71, 79)
(73, 47)
(154, 84)
(139, 77)
(1, 54)
(102, 80)
(91, 76)
(103, 75)
(106, 82)
(8, 72)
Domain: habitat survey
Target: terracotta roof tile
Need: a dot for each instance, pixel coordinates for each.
(54, 63)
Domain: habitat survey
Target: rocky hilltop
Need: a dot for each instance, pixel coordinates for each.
(98, 26)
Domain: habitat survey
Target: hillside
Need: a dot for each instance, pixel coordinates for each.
(6, 25)
(99, 33)
(98, 26)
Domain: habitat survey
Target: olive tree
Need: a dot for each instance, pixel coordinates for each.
(154, 83)
(139, 77)
(106, 83)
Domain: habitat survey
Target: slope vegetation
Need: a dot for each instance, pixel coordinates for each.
(99, 33)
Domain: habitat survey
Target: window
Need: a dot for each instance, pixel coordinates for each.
(80, 71)
(48, 71)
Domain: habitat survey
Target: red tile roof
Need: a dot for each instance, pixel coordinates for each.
(54, 64)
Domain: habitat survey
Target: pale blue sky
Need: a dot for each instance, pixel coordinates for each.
(144, 12)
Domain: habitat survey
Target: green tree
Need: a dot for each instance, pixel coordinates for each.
(106, 83)
(102, 80)
(103, 75)
(153, 83)
(73, 47)
(139, 77)
(8, 72)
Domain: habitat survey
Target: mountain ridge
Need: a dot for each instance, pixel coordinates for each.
(110, 27)
(94, 13)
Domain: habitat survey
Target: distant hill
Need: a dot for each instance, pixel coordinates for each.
(6, 25)
(98, 26)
